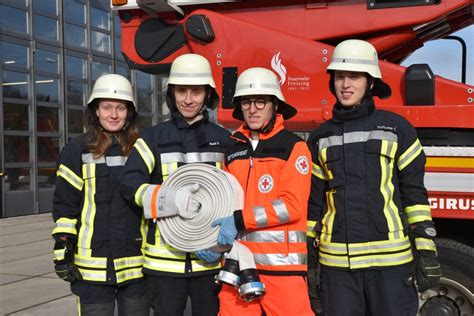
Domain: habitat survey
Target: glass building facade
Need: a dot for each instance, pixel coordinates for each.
(52, 51)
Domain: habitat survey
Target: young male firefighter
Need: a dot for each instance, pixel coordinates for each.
(273, 167)
(98, 235)
(368, 200)
(189, 137)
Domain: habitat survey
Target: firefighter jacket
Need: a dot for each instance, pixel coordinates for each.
(160, 150)
(276, 181)
(88, 206)
(367, 186)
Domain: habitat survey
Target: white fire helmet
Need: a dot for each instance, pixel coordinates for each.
(359, 56)
(112, 86)
(260, 81)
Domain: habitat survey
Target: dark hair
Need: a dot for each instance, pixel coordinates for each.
(98, 141)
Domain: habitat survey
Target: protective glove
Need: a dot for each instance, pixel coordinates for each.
(208, 255)
(228, 231)
(427, 270)
(65, 268)
(180, 201)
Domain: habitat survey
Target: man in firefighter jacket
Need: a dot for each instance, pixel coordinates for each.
(273, 167)
(189, 137)
(99, 236)
(368, 202)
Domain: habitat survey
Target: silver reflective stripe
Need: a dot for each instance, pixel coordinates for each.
(334, 248)
(356, 137)
(408, 156)
(111, 161)
(128, 262)
(89, 158)
(281, 211)
(263, 236)
(191, 157)
(99, 275)
(114, 161)
(257, 85)
(279, 259)
(96, 262)
(355, 247)
(65, 225)
(334, 261)
(114, 91)
(296, 236)
(190, 75)
(374, 260)
(354, 61)
(261, 219)
(129, 274)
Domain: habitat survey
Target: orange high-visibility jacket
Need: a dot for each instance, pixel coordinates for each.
(276, 178)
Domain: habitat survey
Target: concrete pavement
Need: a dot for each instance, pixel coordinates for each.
(28, 284)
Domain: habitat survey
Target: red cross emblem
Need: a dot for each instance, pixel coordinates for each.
(302, 165)
(265, 184)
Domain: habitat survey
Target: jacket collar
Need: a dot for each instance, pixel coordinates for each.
(182, 124)
(364, 109)
(277, 127)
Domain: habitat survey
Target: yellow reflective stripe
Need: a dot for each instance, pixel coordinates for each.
(165, 251)
(418, 213)
(409, 155)
(219, 164)
(310, 229)
(372, 260)
(146, 154)
(143, 232)
(88, 210)
(140, 194)
(59, 254)
(200, 265)
(168, 168)
(128, 262)
(381, 260)
(333, 261)
(68, 175)
(328, 219)
(93, 275)
(318, 172)
(164, 265)
(129, 274)
(323, 158)
(65, 226)
(90, 262)
(387, 189)
(78, 303)
(425, 244)
(369, 247)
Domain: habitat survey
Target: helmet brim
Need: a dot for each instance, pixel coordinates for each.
(285, 109)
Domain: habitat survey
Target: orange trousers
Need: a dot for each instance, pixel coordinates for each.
(284, 296)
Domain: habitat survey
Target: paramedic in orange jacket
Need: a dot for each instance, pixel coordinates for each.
(273, 167)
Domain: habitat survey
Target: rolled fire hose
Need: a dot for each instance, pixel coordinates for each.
(220, 194)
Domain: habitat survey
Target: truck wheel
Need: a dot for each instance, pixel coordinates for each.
(454, 294)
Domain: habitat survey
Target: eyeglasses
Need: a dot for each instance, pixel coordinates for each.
(259, 104)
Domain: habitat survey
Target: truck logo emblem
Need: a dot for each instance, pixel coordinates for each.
(279, 68)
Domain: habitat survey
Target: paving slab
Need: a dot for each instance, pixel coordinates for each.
(65, 306)
(33, 266)
(21, 238)
(9, 278)
(24, 251)
(18, 296)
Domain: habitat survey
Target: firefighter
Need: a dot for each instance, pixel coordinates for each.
(189, 137)
(98, 235)
(273, 167)
(368, 201)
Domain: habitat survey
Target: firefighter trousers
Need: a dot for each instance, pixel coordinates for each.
(169, 295)
(284, 295)
(99, 300)
(389, 292)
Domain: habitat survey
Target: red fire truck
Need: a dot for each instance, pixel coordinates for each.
(295, 38)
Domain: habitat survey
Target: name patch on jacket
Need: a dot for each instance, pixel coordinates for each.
(241, 153)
